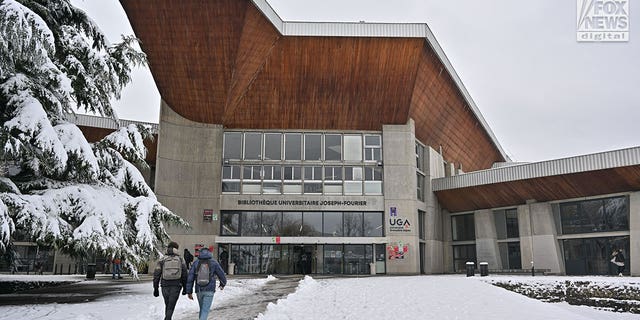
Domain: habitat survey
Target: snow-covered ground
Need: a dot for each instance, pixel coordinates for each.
(393, 297)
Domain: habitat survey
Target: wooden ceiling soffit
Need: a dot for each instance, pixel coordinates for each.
(257, 40)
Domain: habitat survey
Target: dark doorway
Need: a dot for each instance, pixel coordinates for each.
(591, 256)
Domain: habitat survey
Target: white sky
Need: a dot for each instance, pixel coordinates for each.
(544, 95)
(440, 297)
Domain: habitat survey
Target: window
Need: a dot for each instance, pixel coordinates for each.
(231, 179)
(272, 146)
(373, 225)
(420, 157)
(251, 224)
(232, 145)
(332, 224)
(311, 224)
(511, 217)
(421, 234)
(253, 146)
(333, 147)
(352, 148)
(333, 180)
(462, 255)
(353, 180)
(230, 223)
(373, 148)
(292, 146)
(372, 180)
(463, 227)
(291, 224)
(312, 146)
(272, 179)
(598, 215)
(251, 179)
(506, 224)
(353, 224)
(271, 223)
(420, 186)
(292, 180)
(313, 180)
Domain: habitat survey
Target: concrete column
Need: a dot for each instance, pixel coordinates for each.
(546, 250)
(434, 244)
(634, 238)
(526, 240)
(188, 175)
(400, 193)
(486, 239)
(447, 242)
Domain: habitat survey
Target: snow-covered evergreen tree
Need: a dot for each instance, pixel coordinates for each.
(57, 188)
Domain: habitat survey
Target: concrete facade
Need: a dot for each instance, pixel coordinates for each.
(188, 169)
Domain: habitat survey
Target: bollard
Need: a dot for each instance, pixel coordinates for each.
(232, 268)
(484, 269)
(91, 271)
(470, 269)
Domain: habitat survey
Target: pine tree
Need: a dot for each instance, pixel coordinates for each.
(57, 188)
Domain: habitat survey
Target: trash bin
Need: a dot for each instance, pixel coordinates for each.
(470, 268)
(232, 267)
(91, 271)
(484, 269)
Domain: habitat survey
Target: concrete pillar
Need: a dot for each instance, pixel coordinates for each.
(634, 230)
(526, 240)
(188, 175)
(546, 250)
(486, 239)
(447, 242)
(400, 193)
(434, 244)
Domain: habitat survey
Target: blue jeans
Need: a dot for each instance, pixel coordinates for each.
(205, 300)
(115, 269)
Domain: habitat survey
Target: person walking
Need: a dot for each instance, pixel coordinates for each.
(188, 258)
(202, 275)
(224, 260)
(171, 274)
(618, 259)
(115, 268)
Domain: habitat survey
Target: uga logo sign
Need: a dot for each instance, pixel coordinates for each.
(400, 223)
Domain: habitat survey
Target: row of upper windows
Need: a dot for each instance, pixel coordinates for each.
(276, 146)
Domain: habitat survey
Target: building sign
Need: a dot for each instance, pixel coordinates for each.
(397, 250)
(398, 223)
(602, 20)
(284, 203)
(207, 215)
(275, 240)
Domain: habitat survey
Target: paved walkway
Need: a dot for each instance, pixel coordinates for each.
(248, 307)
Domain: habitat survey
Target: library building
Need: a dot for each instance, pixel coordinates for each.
(354, 148)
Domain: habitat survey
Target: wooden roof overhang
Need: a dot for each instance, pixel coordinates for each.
(564, 180)
(235, 63)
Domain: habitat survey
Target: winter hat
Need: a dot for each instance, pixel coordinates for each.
(173, 244)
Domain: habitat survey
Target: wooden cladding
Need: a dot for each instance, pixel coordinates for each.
(542, 189)
(94, 134)
(223, 62)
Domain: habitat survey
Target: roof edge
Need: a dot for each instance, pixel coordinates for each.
(583, 163)
(368, 29)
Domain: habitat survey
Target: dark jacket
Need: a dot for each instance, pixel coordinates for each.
(214, 269)
(620, 257)
(157, 273)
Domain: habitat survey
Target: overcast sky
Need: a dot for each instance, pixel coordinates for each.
(544, 95)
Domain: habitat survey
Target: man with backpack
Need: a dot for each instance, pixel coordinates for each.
(171, 274)
(203, 273)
